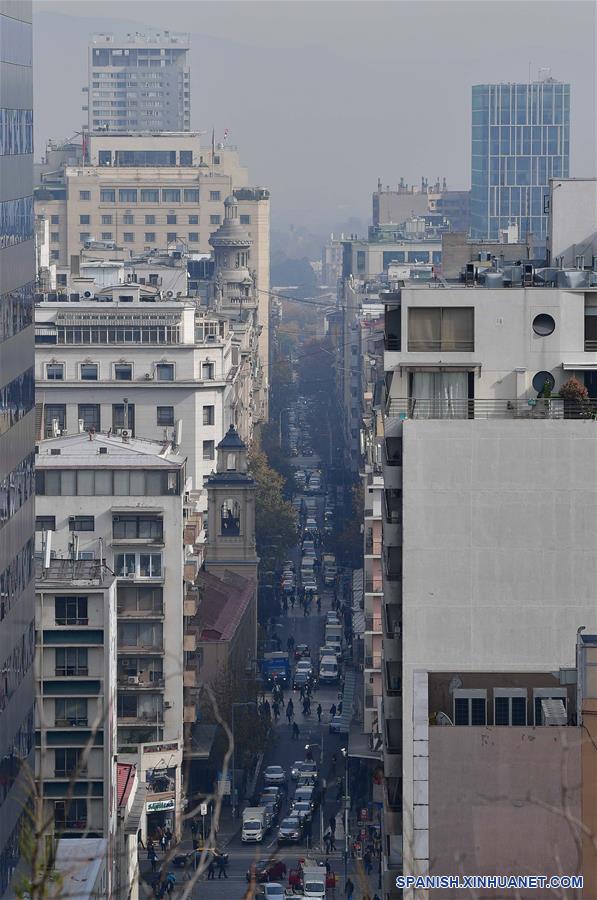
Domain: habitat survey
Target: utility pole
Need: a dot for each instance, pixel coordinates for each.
(344, 752)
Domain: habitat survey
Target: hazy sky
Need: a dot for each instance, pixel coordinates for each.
(324, 97)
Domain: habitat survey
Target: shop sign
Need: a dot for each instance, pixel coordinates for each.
(159, 805)
(160, 748)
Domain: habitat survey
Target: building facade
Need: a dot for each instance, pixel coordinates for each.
(141, 83)
(17, 285)
(520, 139)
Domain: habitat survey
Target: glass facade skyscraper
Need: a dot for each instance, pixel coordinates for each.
(520, 139)
(17, 429)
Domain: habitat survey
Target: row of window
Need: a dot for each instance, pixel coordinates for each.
(144, 706)
(107, 483)
(16, 666)
(113, 334)
(150, 195)
(509, 705)
(150, 219)
(141, 565)
(16, 399)
(16, 311)
(16, 221)
(16, 131)
(70, 814)
(143, 157)
(15, 578)
(149, 237)
(16, 488)
(75, 523)
(91, 413)
(121, 371)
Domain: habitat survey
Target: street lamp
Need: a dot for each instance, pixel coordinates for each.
(344, 752)
(233, 786)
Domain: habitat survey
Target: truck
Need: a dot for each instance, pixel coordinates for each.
(254, 824)
(311, 879)
(330, 569)
(275, 666)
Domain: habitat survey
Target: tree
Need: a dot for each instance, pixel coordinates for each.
(275, 524)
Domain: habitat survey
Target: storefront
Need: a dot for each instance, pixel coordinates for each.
(159, 766)
(161, 816)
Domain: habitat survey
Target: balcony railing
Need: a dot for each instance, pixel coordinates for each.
(373, 623)
(373, 586)
(370, 700)
(531, 408)
(373, 662)
(372, 547)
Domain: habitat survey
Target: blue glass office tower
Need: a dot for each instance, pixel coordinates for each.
(17, 429)
(520, 139)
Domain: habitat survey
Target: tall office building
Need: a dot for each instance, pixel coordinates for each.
(141, 83)
(520, 139)
(17, 274)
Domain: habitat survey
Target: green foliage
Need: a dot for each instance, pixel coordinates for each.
(275, 523)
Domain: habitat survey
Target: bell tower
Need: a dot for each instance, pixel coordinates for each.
(231, 512)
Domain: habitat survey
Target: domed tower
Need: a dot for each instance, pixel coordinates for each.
(231, 511)
(233, 283)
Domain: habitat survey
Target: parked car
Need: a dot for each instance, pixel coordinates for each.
(289, 831)
(266, 870)
(274, 775)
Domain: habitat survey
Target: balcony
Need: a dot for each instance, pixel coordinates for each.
(393, 506)
(393, 563)
(190, 603)
(393, 620)
(393, 679)
(142, 718)
(372, 547)
(189, 678)
(140, 648)
(393, 736)
(371, 700)
(130, 612)
(373, 623)
(190, 713)
(189, 642)
(142, 681)
(373, 663)
(393, 793)
(373, 586)
(530, 408)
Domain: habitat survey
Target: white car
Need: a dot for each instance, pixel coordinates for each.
(274, 775)
(273, 889)
(304, 665)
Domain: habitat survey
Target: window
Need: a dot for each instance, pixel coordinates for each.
(84, 236)
(118, 417)
(107, 195)
(55, 220)
(208, 449)
(164, 371)
(245, 220)
(45, 523)
(141, 565)
(55, 371)
(128, 237)
(510, 706)
(207, 371)
(106, 220)
(70, 712)
(84, 195)
(71, 661)
(67, 762)
(194, 237)
(208, 415)
(171, 195)
(543, 382)
(127, 195)
(54, 254)
(214, 195)
(150, 237)
(143, 635)
(90, 414)
(470, 707)
(191, 195)
(123, 371)
(165, 415)
(84, 220)
(141, 598)
(71, 610)
(70, 814)
(230, 518)
(54, 413)
(150, 220)
(106, 235)
(81, 523)
(171, 237)
(215, 220)
(133, 527)
(55, 236)
(150, 195)
(186, 159)
(170, 219)
(441, 329)
(128, 219)
(89, 371)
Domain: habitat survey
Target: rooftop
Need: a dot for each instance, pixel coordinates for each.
(223, 605)
(79, 862)
(70, 572)
(106, 451)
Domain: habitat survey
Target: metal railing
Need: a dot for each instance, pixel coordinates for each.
(531, 408)
(373, 623)
(373, 586)
(372, 547)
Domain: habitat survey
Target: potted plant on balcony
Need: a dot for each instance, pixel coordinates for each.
(576, 399)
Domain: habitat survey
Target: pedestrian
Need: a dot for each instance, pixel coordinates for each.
(332, 710)
(319, 712)
(170, 882)
(305, 707)
(332, 842)
(140, 839)
(168, 836)
(368, 862)
(289, 710)
(349, 888)
(333, 824)
(211, 870)
(194, 827)
(163, 842)
(295, 732)
(302, 691)
(152, 856)
(276, 709)
(340, 708)
(327, 841)
(222, 866)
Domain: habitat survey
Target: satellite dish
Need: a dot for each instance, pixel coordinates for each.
(442, 718)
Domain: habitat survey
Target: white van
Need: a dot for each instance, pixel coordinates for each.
(254, 824)
(328, 670)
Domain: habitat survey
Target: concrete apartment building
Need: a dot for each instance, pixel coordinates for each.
(139, 83)
(488, 569)
(17, 285)
(122, 501)
(406, 201)
(76, 693)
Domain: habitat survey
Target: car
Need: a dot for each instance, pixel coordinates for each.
(289, 831)
(331, 616)
(310, 766)
(296, 769)
(300, 679)
(307, 793)
(338, 725)
(307, 779)
(301, 651)
(271, 803)
(302, 809)
(274, 775)
(304, 665)
(266, 870)
(274, 889)
(273, 790)
(329, 650)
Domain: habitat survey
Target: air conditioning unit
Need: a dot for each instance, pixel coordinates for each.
(133, 679)
(167, 704)
(148, 376)
(169, 293)
(88, 294)
(130, 575)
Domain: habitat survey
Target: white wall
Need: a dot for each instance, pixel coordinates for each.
(573, 219)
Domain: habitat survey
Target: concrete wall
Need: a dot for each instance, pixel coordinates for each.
(458, 250)
(573, 220)
(502, 788)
